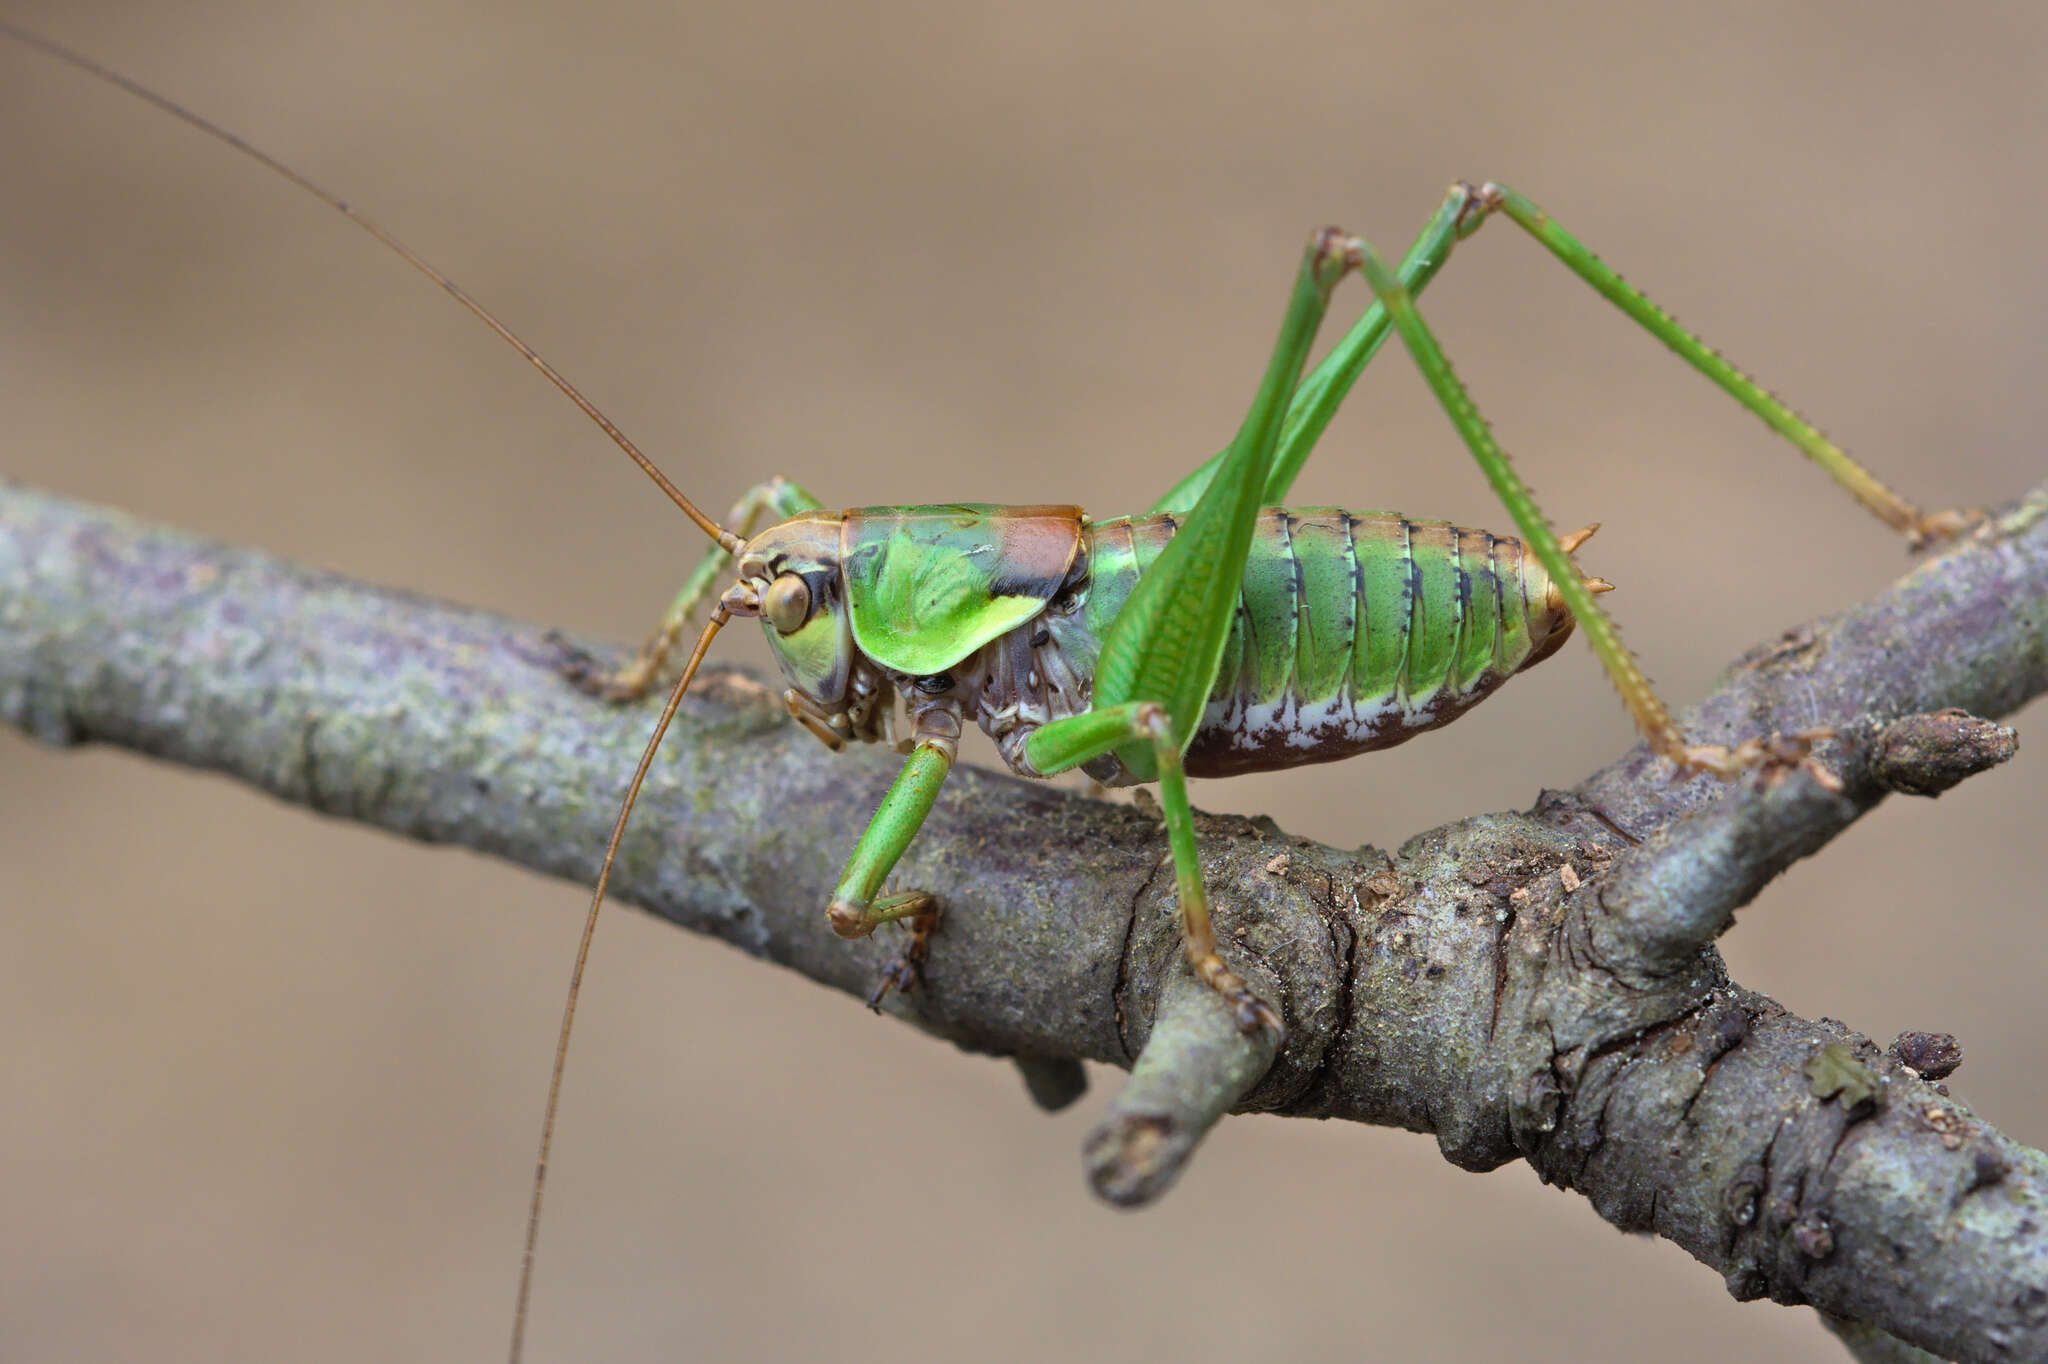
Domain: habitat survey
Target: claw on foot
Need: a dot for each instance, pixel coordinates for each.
(906, 971)
(1251, 1012)
(587, 674)
(1937, 528)
(1772, 753)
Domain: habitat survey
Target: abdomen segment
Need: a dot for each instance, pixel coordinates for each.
(1354, 630)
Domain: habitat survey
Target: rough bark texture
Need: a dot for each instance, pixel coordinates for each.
(1539, 985)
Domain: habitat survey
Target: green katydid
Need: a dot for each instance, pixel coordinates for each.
(1219, 632)
(1216, 633)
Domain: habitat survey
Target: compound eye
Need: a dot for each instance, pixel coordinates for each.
(788, 604)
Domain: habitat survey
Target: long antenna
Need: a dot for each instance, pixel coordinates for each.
(725, 538)
(213, 130)
(604, 876)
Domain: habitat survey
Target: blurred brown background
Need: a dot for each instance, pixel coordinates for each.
(271, 1083)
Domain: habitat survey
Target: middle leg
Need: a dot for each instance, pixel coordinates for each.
(1073, 741)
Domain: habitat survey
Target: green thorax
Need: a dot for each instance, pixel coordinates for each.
(927, 586)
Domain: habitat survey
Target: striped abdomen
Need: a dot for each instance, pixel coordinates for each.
(1354, 630)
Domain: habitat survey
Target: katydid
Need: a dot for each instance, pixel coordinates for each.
(1218, 632)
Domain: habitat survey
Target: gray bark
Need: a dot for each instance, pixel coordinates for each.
(1538, 985)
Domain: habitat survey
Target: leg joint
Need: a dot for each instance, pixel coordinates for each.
(849, 919)
(1149, 721)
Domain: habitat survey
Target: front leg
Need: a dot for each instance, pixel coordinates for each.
(858, 907)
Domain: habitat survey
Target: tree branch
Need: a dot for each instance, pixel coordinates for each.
(1539, 985)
